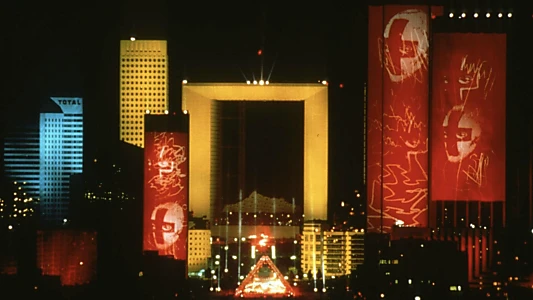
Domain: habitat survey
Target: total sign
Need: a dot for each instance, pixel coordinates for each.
(70, 105)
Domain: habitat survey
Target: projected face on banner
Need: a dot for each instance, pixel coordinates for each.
(461, 133)
(167, 223)
(397, 117)
(461, 126)
(468, 117)
(165, 193)
(406, 44)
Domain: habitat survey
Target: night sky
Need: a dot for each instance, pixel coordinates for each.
(73, 50)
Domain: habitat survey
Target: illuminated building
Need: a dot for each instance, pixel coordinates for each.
(143, 86)
(199, 250)
(331, 252)
(199, 239)
(21, 157)
(69, 254)
(61, 155)
(166, 182)
(20, 206)
(201, 102)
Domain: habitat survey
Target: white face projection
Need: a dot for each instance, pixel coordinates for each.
(461, 133)
(406, 44)
(167, 223)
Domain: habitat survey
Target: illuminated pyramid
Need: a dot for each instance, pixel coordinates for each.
(265, 279)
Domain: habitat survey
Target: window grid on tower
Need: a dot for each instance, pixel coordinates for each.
(143, 86)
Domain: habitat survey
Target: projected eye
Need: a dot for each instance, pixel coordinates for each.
(464, 134)
(167, 227)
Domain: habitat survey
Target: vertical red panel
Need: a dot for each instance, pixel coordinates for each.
(470, 255)
(397, 117)
(477, 252)
(484, 266)
(468, 117)
(165, 193)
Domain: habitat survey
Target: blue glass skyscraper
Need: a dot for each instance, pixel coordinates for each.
(60, 155)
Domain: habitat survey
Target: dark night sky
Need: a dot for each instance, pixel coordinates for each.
(72, 50)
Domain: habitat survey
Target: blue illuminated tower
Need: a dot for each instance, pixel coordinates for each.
(61, 155)
(21, 157)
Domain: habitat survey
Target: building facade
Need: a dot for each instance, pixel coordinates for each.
(21, 158)
(60, 155)
(199, 250)
(143, 86)
(331, 252)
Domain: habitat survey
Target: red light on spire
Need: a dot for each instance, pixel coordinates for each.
(259, 52)
(433, 16)
(341, 85)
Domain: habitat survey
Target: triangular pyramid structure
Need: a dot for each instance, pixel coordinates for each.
(264, 280)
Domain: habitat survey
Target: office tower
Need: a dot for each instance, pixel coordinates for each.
(61, 155)
(143, 86)
(21, 157)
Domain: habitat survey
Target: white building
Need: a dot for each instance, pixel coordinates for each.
(333, 253)
(143, 86)
(60, 155)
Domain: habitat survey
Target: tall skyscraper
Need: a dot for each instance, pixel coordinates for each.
(61, 155)
(143, 86)
(21, 157)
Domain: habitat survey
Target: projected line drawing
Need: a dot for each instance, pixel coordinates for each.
(407, 176)
(169, 156)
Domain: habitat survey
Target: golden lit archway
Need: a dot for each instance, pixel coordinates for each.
(199, 101)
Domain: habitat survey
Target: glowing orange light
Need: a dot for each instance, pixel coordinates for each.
(433, 16)
(259, 52)
(341, 85)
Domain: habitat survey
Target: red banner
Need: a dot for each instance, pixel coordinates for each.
(165, 193)
(397, 115)
(468, 117)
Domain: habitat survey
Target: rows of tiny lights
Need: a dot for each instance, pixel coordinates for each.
(477, 15)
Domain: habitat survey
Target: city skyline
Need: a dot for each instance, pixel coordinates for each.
(86, 64)
(383, 92)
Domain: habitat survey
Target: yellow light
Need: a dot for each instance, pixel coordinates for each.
(248, 82)
(184, 81)
(476, 15)
(463, 15)
(488, 15)
(451, 15)
(255, 81)
(185, 111)
(261, 82)
(267, 82)
(199, 98)
(500, 15)
(509, 15)
(132, 39)
(324, 82)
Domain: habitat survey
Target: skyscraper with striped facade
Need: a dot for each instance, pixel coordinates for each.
(60, 155)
